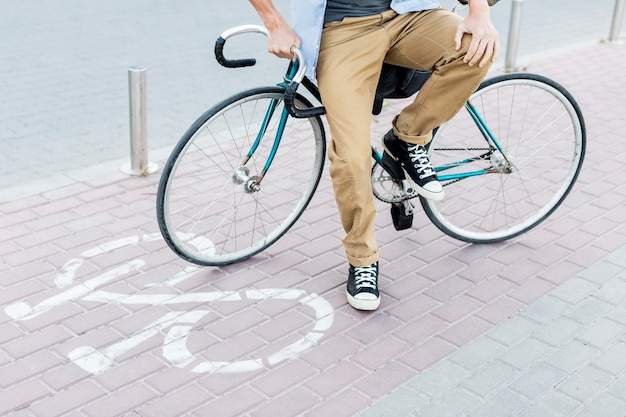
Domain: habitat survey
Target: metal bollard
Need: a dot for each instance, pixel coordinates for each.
(515, 27)
(618, 13)
(139, 165)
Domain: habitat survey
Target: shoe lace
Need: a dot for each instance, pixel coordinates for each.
(420, 160)
(365, 276)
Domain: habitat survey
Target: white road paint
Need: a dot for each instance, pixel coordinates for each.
(180, 323)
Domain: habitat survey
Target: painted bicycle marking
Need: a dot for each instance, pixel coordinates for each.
(179, 323)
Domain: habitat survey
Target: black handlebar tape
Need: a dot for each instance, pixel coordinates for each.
(290, 95)
(230, 63)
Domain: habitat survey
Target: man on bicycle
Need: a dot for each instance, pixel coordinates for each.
(345, 43)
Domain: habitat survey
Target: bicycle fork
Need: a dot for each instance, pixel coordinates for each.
(252, 183)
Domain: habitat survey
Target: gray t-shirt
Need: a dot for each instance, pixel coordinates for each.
(336, 10)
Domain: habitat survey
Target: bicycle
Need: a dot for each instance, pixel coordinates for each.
(244, 172)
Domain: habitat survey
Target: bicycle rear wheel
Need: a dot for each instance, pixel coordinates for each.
(209, 211)
(542, 133)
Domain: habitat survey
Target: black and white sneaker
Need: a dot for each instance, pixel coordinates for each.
(416, 165)
(362, 291)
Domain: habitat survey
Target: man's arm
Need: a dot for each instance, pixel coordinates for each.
(281, 36)
(485, 44)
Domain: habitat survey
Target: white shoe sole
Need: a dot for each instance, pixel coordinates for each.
(430, 195)
(365, 305)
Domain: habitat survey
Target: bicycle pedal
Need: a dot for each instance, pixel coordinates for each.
(392, 167)
(401, 220)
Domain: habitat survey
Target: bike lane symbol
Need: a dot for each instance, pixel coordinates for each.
(179, 323)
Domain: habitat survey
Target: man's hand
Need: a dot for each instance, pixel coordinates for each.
(281, 36)
(281, 39)
(485, 44)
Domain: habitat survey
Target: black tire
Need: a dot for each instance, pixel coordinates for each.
(541, 130)
(208, 210)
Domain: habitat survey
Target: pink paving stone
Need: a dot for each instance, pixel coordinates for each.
(441, 269)
(500, 310)
(282, 377)
(36, 341)
(326, 282)
(232, 404)
(465, 331)
(95, 318)
(75, 397)
(236, 323)
(472, 254)
(532, 290)
(396, 249)
(291, 403)
(511, 253)
(401, 268)
(549, 255)
(176, 403)
(321, 265)
(8, 332)
(346, 403)
(279, 327)
(55, 316)
(21, 395)
(417, 331)
(481, 270)
(113, 259)
(27, 368)
(240, 279)
(282, 262)
(118, 403)
(561, 272)
(64, 376)
(335, 380)
(537, 239)
(520, 272)
(239, 347)
(23, 204)
(129, 372)
(449, 288)
(20, 291)
(434, 252)
(576, 240)
(52, 220)
(25, 256)
(405, 287)
(384, 380)
(330, 352)
(319, 247)
(12, 232)
(491, 289)
(219, 384)
(382, 351)
(32, 240)
(89, 237)
(171, 379)
(102, 192)
(57, 206)
(415, 306)
(427, 354)
(457, 308)
(373, 328)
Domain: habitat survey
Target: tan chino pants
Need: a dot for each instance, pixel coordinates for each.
(351, 55)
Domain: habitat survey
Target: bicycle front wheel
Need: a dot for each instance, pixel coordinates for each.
(218, 202)
(496, 194)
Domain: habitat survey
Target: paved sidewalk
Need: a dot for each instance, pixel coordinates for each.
(99, 318)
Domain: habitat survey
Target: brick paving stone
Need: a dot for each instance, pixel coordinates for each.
(121, 402)
(232, 404)
(21, 395)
